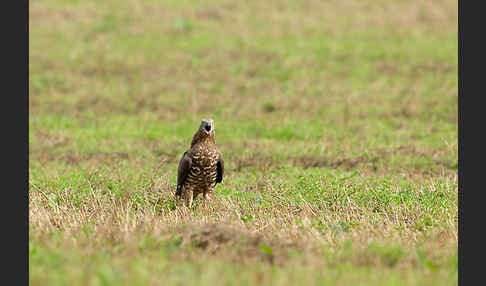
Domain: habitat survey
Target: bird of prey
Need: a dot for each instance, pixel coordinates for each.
(201, 167)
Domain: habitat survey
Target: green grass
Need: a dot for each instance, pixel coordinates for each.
(337, 122)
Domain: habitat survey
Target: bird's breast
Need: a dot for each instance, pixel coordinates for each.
(203, 172)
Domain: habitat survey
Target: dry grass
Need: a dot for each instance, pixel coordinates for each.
(281, 232)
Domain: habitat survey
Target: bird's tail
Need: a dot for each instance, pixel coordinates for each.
(178, 191)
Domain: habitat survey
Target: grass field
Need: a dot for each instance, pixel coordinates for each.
(337, 121)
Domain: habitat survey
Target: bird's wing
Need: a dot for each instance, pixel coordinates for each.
(182, 172)
(220, 169)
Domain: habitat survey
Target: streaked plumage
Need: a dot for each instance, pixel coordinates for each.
(201, 167)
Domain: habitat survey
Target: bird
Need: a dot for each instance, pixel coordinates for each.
(201, 166)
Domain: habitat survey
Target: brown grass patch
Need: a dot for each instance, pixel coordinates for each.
(319, 161)
(369, 162)
(218, 239)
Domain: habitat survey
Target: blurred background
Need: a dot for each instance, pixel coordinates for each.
(335, 78)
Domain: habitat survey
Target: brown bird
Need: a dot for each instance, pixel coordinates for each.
(201, 167)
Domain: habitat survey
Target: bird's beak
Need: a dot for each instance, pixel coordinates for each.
(208, 128)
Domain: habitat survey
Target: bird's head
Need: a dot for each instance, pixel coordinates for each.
(205, 132)
(207, 126)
